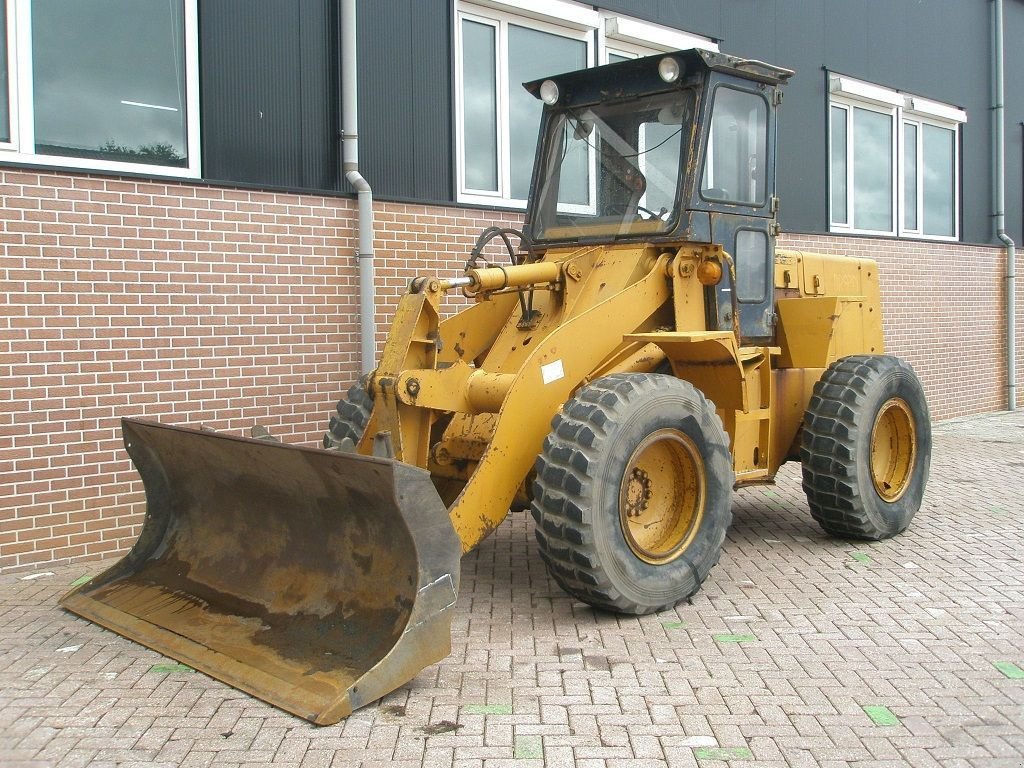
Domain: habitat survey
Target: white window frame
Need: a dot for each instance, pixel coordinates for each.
(920, 121)
(500, 21)
(21, 148)
(603, 32)
(12, 79)
(848, 93)
(633, 39)
(848, 105)
(902, 181)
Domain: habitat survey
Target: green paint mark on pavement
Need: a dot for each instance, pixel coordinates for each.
(998, 511)
(860, 557)
(881, 716)
(166, 669)
(673, 624)
(724, 753)
(80, 581)
(735, 638)
(1010, 669)
(528, 748)
(487, 709)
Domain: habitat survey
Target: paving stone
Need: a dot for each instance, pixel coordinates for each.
(929, 625)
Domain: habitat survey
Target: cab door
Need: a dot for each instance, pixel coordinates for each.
(737, 189)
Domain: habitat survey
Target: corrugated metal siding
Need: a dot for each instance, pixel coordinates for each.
(270, 87)
(903, 45)
(405, 105)
(320, 73)
(268, 103)
(798, 41)
(1014, 21)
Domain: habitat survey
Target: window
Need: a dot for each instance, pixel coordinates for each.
(613, 169)
(102, 84)
(499, 120)
(5, 95)
(752, 266)
(893, 162)
(734, 170)
(501, 45)
(929, 179)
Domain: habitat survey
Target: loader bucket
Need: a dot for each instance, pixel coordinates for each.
(317, 581)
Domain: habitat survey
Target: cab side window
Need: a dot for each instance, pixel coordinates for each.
(735, 164)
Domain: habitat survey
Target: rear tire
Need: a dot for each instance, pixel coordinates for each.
(633, 491)
(866, 447)
(351, 417)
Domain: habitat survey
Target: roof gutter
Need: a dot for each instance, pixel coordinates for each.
(999, 199)
(350, 167)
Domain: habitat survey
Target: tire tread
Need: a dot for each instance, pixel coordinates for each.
(828, 445)
(350, 417)
(566, 467)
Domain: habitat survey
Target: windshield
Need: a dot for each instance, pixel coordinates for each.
(612, 170)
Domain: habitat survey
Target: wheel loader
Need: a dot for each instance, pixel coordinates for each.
(636, 352)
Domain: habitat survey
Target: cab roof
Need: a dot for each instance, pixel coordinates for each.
(640, 76)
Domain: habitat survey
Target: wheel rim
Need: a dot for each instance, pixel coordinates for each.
(661, 497)
(893, 449)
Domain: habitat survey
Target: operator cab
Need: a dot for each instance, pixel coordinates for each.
(667, 148)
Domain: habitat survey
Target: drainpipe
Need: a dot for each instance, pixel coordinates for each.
(350, 167)
(999, 183)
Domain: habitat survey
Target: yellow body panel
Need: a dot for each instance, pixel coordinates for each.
(829, 308)
(471, 398)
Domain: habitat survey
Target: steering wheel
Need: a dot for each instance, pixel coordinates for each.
(660, 215)
(620, 209)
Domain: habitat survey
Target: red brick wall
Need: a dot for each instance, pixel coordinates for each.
(943, 308)
(182, 303)
(220, 307)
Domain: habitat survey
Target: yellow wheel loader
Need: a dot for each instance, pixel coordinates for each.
(636, 352)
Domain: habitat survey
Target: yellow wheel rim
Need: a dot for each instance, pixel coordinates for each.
(661, 497)
(893, 449)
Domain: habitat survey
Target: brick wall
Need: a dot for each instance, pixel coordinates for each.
(943, 307)
(182, 303)
(220, 307)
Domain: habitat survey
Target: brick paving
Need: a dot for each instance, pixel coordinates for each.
(799, 651)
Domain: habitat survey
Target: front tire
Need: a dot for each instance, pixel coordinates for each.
(633, 492)
(351, 417)
(866, 447)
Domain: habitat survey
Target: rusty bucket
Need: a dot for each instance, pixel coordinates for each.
(317, 581)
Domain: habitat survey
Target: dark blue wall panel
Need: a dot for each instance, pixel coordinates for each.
(933, 48)
(405, 98)
(270, 87)
(802, 148)
(1014, 18)
(267, 84)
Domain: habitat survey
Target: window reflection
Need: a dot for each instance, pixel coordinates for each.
(751, 265)
(533, 54)
(910, 176)
(872, 170)
(109, 80)
(937, 180)
(632, 152)
(479, 106)
(839, 165)
(736, 157)
(5, 102)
